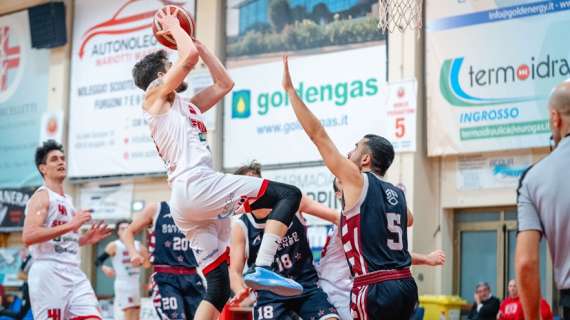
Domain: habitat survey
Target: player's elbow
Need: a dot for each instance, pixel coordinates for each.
(227, 85)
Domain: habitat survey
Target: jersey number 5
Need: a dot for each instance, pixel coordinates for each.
(395, 227)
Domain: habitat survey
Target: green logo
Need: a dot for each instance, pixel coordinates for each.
(241, 104)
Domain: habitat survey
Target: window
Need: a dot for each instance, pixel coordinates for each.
(485, 250)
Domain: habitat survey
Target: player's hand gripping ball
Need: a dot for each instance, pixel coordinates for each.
(165, 20)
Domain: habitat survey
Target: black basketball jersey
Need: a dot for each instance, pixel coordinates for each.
(374, 232)
(169, 246)
(293, 259)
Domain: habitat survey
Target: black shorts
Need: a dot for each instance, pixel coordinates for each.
(176, 297)
(388, 300)
(311, 305)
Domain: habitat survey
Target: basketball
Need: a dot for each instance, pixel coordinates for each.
(186, 22)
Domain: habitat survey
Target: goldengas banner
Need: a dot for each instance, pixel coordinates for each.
(107, 132)
(490, 68)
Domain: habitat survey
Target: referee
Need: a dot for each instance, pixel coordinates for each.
(544, 210)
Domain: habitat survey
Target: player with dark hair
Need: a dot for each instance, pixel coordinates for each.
(294, 259)
(202, 199)
(58, 287)
(334, 273)
(127, 276)
(374, 220)
(253, 169)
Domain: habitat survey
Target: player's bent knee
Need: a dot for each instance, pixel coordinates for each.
(218, 292)
(288, 203)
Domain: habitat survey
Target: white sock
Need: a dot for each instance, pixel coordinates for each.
(267, 250)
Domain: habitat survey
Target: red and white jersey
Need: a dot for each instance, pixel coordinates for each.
(180, 138)
(65, 248)
(125, 272)
(333, 266)
(334, 274)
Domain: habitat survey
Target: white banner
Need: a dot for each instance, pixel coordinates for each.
(108, 202)
(486, 94)
(316, 182)
(107, 133)
(401, 114)
(345, 90)
(490, 172)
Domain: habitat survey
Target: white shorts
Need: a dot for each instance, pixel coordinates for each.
(209, 240)
(212, 195)
(127, 295)
(201, 207)
(339, 298)
(60, 291)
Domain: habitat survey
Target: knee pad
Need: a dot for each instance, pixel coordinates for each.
(283, 199)
(218, 286)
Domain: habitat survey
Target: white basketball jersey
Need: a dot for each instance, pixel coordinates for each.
(65, 248)
(333, 267)
(124, 270)
(180, 138)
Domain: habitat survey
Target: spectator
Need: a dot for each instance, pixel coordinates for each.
(511, 307)
(5, 302)
(544, 210)
(486, 306)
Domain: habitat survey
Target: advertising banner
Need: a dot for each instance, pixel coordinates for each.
(264, 29)
(490, 172)
(12, 207)
(108, 202)
(490, 68)
(23, 99)
(107, 133)
(350, 100)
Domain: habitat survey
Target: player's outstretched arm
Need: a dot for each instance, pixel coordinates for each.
(36, 214)
(435, 258)
(237, 259)
(312, 207)
(336, 162)
(223, 83)
(142, 220)
(187, 58)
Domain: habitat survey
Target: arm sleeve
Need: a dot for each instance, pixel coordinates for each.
(101, 259)
(528, 217)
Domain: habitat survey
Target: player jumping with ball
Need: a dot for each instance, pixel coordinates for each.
(201, 198)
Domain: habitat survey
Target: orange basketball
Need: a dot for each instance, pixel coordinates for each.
(186, 22)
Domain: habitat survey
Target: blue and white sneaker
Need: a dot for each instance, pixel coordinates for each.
(260, 278)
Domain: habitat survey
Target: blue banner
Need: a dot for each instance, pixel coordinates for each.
(499, 14)
(23, 100)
